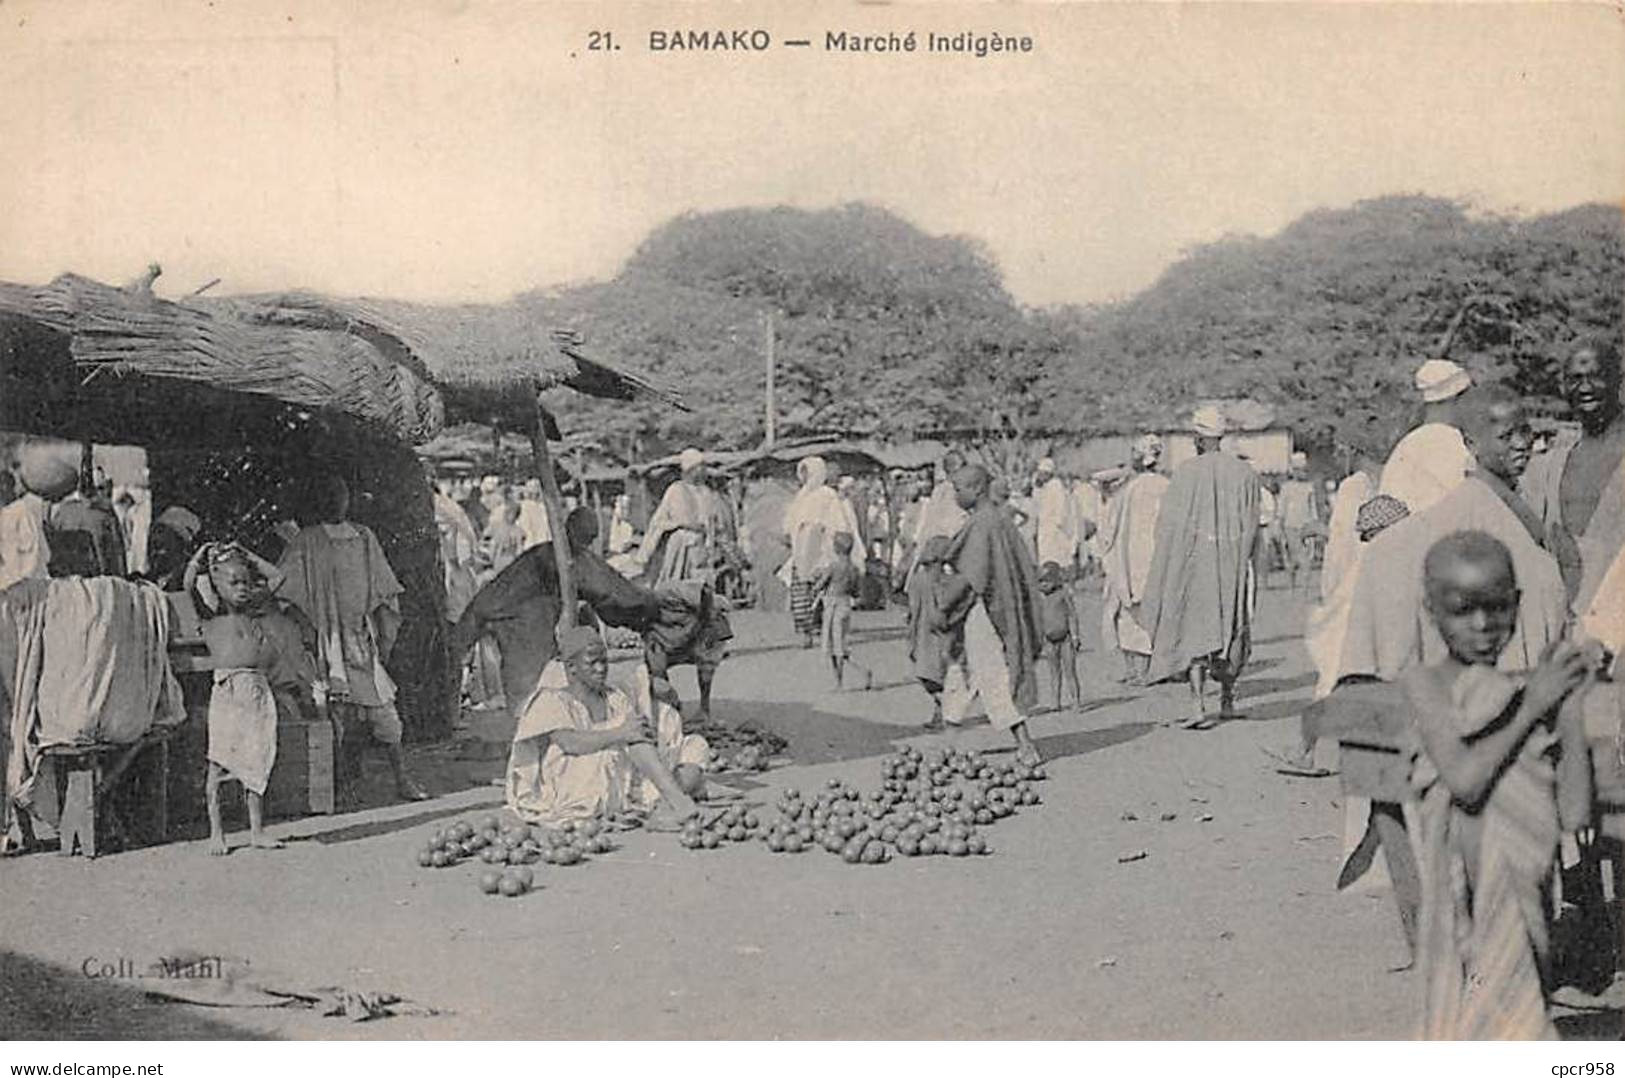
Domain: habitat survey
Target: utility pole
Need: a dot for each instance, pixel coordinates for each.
(772, 404)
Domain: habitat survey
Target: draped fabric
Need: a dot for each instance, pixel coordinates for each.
(1389, 630)
(991, 555)
(1328, 622)
(1198, 592)
(86, 661)
(1129, 538)
(1057, 513)
(242, 726)
(803, 604)
(677, 542)
(940, 515)
(549, 786)
(25, 550)
(1426, 465)
(811, 523)
(338, 577)
(520, 607)
(1483, 937)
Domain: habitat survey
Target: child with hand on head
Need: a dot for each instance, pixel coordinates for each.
(838, 585)
(260, 661)
(1504, 771)
(1058, 617)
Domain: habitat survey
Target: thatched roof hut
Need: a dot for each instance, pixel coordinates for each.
(241, 400)
(401, 369)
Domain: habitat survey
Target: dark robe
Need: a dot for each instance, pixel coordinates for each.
(1197, 604)
(991, 554)
(520, 607)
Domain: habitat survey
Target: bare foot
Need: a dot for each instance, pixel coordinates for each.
(265, 842)
(217, 846)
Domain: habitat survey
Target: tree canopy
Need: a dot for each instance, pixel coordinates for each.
(881, 327)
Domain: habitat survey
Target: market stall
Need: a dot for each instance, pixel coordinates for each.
(239, 402)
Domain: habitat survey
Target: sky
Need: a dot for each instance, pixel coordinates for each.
(471, 150)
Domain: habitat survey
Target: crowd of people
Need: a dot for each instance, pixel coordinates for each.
(1477, 575)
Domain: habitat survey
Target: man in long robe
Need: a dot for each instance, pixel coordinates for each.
(1428, 462)
(679, 543)
(335, 572)
(1339, 569)
(1200, 591)
(1057, 515)
(1130, 536)
(998, 614)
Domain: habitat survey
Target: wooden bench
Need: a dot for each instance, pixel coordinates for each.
(89, 778)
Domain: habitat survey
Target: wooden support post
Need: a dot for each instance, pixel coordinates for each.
(554, 506)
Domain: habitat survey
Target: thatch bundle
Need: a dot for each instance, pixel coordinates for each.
(488, 362)
(398, 367)
(113, 332)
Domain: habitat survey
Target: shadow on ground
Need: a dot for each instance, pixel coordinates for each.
(1084, 742)
(1269, 686)
(40, 1001)
(815, 737)
(369, 828)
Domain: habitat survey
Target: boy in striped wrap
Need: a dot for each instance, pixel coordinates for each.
(1502, 774)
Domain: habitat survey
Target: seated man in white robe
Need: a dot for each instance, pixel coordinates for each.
(586, 749)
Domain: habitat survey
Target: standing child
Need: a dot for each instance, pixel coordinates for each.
(1503, 773)
(1058, 616)
(838, 584)
(250, 642)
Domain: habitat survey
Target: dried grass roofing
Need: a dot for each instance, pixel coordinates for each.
(397, 366)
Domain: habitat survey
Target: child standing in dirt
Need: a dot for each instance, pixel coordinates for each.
(251, 642)
(839, 584)
(1504, 771)
(1058, 617)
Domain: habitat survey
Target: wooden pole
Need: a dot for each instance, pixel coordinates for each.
(772, 378)
(554, 507)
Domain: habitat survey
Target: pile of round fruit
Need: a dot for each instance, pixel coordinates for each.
(511, 850)
(743, 748)
(734, 825)
(928, 804)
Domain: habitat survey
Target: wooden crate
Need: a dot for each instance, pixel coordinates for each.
(302, 779)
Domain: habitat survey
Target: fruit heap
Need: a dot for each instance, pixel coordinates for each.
(928, 804)
(734, 825)
(511, 850)
(743, 748)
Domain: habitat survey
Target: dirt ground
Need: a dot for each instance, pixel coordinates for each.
(1228, 926)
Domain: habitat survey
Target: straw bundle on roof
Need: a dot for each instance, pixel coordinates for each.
(484, 359)
(114, 332)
